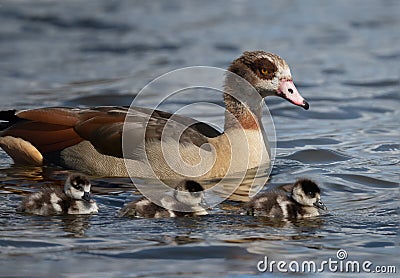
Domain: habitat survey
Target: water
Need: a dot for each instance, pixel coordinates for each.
(345, 61)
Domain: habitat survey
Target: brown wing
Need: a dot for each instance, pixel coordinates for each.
(104, 131)
(48, 129)
(105, 125)
(53, 129)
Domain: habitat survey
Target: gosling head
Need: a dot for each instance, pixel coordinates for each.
(77, 187)
(307, 193)
(269, 74)
(189, 192)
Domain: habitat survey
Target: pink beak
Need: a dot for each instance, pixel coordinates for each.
(288, 91)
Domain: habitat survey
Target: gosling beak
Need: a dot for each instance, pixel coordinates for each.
(320, 205)
(86, 196)
(288, 91)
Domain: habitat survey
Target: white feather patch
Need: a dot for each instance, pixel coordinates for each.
(54, 199)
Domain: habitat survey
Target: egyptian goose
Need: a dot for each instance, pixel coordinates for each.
(304, 201)
(90, 140)
(72, 198)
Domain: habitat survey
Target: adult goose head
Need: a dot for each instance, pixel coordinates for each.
(269, 74)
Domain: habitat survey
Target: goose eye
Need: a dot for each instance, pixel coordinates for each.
(264, 71)
(311, 194)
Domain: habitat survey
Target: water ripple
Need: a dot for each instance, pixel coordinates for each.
(366, 181)
(393, 148)
(372, 83)
(318, 156)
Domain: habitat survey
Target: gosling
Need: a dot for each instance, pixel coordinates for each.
(72, 198)
(186, 201)
(303, 202)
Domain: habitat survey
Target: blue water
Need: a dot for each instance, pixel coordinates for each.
(345, 60)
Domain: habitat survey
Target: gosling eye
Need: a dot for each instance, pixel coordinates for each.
(311, 194)
(78, 187)
(264, 71)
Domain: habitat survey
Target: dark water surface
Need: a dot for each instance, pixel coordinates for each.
(345, 59)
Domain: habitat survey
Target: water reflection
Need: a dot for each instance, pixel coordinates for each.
(181, 240)
(21, 173)
(76, 225)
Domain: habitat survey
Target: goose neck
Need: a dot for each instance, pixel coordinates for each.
(242, 114)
